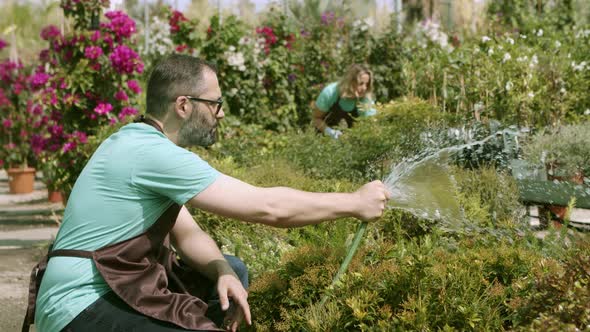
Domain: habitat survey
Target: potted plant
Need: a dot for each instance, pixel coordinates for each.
(565, 152)
(20, 119)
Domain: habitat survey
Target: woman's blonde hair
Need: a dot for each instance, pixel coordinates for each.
(348, 83)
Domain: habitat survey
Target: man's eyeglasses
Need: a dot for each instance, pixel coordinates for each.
(218, 102)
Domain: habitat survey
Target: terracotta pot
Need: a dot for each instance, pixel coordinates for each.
(21, 180)
(54, 196)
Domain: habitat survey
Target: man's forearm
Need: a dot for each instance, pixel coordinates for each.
(200, 252)
(293, 208)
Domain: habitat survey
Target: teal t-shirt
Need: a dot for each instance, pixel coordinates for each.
(131, 179)
(329, 96)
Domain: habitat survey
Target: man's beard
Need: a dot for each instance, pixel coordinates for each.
(197, 131)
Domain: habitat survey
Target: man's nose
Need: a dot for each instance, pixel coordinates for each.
(221, 114)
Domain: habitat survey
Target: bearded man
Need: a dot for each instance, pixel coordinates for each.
(114, 266)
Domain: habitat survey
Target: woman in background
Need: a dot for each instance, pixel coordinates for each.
(345, 100)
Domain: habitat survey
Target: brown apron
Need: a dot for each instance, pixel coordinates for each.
(144, 272)
(337, 114)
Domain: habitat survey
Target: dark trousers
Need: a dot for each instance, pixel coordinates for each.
(111, 314)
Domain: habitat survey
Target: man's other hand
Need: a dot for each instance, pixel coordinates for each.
(228, 287)
(373, 197)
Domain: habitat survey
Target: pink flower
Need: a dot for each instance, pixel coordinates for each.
(92, 52)
(50, 32)
(121, 95)
(120, 24)
(95, 36)
(103, 108)
(124, 59)
(44, 56)
(3, 99)
(3, 44)
(7, 123)
(37, 143)
(81, 136)
(38, 79)
(69, 146)
(127, 111)
(17, 88)
(134, 86)
(34, 109)
(96, 66)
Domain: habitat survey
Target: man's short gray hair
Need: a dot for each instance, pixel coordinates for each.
(176, 75)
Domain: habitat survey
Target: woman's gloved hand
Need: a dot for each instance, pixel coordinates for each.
(334, 133)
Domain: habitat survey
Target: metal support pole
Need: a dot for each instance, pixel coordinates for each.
(13, 49)
(146, 29)
(219, 11)
(397, 9)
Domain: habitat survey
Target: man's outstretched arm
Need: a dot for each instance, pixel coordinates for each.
(286, 207)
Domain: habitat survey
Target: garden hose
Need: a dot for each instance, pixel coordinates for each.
(351, 251)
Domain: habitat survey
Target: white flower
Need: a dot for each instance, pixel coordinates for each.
(523, 36)
(510, 41)
(242, 68)
(506, 57)
(578, 67)
(478, 106)
(232, 92)
(356, 23)
(540, 33)
(500, 47)
(232, 48)
(534, 61)
(583, 33)
(485, 39)
(531, 95)
(243, 41)
(369, 21)
(491, 51)
(562, 90)
(522, 58)
(235, 59)
(557, 44)
(509, 86)
(587, 111)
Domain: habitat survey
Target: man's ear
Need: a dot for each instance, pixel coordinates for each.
(182, 108)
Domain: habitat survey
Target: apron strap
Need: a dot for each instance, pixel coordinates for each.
(36, 277)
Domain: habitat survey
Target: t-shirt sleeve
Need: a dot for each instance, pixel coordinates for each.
(327, 98)
(174, 172)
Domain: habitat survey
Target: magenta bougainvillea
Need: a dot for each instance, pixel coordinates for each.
(20, 119)
(89, 82)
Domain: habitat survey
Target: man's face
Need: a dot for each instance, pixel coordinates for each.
(200, 129)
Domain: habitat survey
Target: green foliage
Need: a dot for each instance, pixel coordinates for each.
(559, 293)
(430, 283)
(566, 148)
(493, 205)
(530, 78)
(367, 150)
(84, 13)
